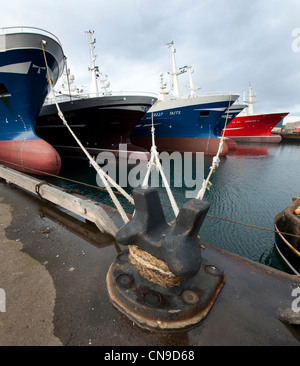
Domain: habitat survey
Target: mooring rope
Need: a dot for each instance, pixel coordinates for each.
(215, 161)
(153, 269)
(154, 162)
(104, 177)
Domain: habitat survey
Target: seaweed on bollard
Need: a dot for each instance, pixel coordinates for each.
(161, 282)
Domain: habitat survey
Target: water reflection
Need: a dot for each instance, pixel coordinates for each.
(78, 226)
(253, 149)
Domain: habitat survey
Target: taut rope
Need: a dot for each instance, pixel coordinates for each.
(104, 177)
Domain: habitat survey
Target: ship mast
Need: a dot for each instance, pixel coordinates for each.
(175, 72)
(250, 101)
(94, 69)
(192, 87)
(162, 87)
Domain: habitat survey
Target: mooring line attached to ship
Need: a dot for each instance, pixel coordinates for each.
(215, 161)
(154, 162)
(104, 177)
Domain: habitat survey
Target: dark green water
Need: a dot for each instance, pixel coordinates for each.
(251, 185)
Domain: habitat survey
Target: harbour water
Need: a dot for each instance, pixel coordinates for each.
(251, 185)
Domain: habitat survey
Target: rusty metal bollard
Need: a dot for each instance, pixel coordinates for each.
(161, 282)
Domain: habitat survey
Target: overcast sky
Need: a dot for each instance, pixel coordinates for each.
(229, 43)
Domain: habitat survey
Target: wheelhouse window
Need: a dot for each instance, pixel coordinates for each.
(204, 114)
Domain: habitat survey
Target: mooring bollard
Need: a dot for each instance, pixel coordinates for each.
(161, 281)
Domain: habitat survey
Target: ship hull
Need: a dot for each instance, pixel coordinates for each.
(22, 156)
(227, 117)
(208, 146)
(255, 128)
(275, 139)
(101, 124)
(23, 89)
(185, 125)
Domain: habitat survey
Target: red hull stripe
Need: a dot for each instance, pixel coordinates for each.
(30, 154)
(208, 146)
(253, 126)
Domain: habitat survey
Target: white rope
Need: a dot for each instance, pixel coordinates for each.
(155, 162)
(104, 177)
(215, 162)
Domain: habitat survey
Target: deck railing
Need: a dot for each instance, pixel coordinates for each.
(25, 29)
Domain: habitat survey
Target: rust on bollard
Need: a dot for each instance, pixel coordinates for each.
(161, 282)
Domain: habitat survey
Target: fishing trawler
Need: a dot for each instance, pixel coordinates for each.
(251, 127)
(183, 124)
(101, 120)
(23, 88)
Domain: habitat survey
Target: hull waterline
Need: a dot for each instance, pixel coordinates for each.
(209, 146)
(255, 128)
(103, 124)
(184, 125)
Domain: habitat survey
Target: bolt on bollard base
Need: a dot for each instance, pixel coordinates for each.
(154, 307)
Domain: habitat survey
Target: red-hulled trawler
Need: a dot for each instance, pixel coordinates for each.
(250, 127)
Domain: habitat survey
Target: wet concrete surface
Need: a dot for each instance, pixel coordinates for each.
(23, 279)
(53, 269)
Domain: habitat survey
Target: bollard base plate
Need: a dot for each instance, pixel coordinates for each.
(154, 307)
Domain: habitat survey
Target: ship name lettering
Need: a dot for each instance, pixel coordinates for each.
(174, 113)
